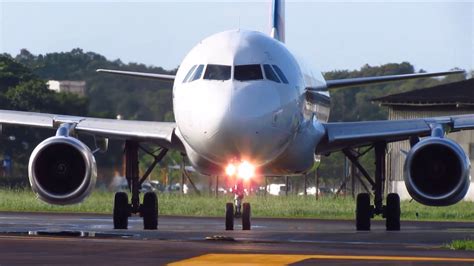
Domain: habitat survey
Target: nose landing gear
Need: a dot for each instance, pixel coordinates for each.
(241, 210)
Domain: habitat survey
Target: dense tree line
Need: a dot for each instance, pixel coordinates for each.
(22, 90)
(22, 87)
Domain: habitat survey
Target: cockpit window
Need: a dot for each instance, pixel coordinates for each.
(248, 72)
(280, 74)
(189, 73)
(198, 73)
(270, 74)
(217, 72)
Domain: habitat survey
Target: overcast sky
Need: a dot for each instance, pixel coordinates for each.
(330, 35)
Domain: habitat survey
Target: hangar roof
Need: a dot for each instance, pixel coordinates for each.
(456, 93)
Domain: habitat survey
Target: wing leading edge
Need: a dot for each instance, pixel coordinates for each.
(161, 133)
(357, 134)
(161, 77)
(345, 83)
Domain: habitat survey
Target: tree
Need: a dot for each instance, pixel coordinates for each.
(22, 90)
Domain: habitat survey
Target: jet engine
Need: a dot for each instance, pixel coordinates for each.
(437, 172)
(62, 170)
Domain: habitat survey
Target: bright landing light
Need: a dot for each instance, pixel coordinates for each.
(246, 170)
(230, 170)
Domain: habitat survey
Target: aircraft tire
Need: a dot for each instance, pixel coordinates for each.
(392, 212)
(121, 210)
(363, 212)
(246, 216)
(150, 211)
(229, 216)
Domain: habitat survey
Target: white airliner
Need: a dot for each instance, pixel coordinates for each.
(244, 107)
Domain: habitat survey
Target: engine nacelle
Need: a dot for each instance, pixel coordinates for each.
(62, 170)
(437, 172)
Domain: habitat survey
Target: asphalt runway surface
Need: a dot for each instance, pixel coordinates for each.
(29, 238)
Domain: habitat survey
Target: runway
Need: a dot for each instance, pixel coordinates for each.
(27, 238)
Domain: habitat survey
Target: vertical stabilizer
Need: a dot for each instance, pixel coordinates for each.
(278, 20)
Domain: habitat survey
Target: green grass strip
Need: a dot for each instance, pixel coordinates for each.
(465, 244)
(292, 206)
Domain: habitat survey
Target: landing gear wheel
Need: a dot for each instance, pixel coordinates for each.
(246, 216)
(150, 211)
(229, 216)
(121, 210)
(392, 212)
(363, 212)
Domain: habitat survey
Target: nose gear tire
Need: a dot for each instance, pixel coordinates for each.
(229, 216)
(246, 216)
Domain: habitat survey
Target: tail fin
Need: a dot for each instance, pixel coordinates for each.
(278, 20)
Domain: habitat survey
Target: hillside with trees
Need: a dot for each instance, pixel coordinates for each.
(22, 87)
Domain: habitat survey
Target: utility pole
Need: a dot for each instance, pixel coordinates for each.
(316, 176)
(305, 185)
(183, 176)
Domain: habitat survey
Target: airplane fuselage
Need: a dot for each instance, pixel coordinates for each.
(240, 96)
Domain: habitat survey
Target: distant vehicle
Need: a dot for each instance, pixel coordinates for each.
(322, 191)
(244, 106)
(276, 189)
(119, 183)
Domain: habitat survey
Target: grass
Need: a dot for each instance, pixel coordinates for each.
(270, 206)
(465, 244)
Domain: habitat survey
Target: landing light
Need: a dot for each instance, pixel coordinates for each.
(230, 170)
(246, 170)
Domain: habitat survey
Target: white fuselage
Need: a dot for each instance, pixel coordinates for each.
(240, 96)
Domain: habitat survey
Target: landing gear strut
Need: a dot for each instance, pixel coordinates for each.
(364, 211)
(149, 209)
(242, 210)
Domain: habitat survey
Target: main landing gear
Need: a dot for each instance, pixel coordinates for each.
(364, 210)
(149, 208)
(242, 210)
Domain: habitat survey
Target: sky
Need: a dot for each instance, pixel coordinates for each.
(328, 35)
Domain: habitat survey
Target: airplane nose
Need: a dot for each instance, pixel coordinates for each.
(239, 122)
(251, 101)
(249, 129)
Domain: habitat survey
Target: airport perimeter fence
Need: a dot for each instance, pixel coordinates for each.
(14, 182)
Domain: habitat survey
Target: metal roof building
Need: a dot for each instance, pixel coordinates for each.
(449, 99)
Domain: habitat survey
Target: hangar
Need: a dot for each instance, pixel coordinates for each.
(449, 99)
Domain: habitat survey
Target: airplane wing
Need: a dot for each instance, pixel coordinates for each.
(161, 133)
(161, 77)
(345, 83)
(343, 135)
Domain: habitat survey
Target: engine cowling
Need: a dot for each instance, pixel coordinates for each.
(62, 170)
(437, 172)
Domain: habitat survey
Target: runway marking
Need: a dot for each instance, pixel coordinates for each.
(280, 259)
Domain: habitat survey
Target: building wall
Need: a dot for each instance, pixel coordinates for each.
(395, 156)
(75, 87)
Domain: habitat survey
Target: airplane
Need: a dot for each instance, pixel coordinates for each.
(244, 107)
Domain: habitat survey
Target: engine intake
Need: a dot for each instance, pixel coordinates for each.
(437, 172)
(62, 170)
